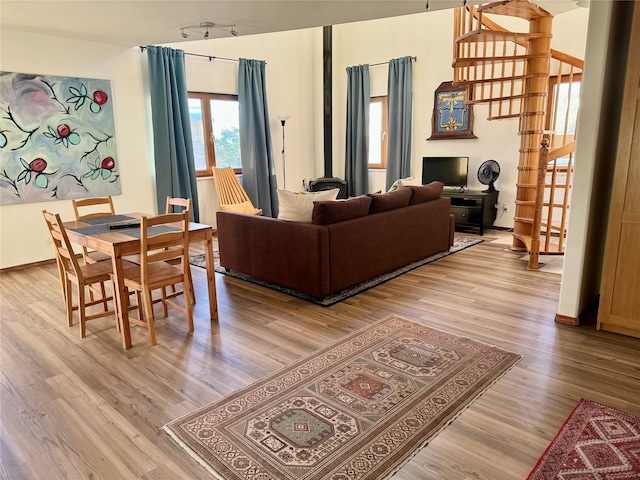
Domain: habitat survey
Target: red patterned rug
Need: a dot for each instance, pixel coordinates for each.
(596, 442)
(357, 409)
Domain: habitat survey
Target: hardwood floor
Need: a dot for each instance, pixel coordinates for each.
(85, 408)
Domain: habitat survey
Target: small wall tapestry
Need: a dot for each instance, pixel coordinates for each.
(57, 139)
(452, 117)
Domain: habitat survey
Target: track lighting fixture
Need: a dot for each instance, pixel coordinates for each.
(464, 3)
(427, 6)
(204, 29)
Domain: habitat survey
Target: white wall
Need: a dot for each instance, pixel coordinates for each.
(294, 88)
(23, 234)
(578, 288)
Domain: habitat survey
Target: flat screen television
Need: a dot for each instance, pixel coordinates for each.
(452, 171)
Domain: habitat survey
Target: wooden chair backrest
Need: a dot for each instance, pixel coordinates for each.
(91, 202)
(64, 251)
(228, 188)
(166, 243)
(183, 204)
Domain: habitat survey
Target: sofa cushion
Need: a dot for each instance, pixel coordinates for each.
(404, 182)
(425, 193)
(298, 206)
(383, 202)
(325, 213)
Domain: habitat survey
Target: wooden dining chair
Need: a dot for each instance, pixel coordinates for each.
(181, 205)
(231, 194)
(162, 237)
(174, 205)
(87, 208)
(83, 276)
(178, 205)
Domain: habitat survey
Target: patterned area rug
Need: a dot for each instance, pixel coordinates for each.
(596, 442)
(357, 409)
(459, 243)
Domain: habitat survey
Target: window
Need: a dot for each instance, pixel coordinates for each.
(378, 133)
(215, 131)
(562, 110)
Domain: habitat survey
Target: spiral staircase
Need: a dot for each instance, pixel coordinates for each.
(519, 75)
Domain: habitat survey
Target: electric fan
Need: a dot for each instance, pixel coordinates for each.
(488, 173)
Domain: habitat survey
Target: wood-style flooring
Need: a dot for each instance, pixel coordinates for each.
(75, 408)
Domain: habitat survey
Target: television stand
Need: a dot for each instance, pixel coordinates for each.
(473, 210)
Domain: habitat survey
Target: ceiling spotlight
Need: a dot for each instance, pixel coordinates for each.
(184, 35)
(234, 32)
(206, 34)
(427, 6)
(464, 3)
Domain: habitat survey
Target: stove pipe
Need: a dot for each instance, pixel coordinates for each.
(328, 181)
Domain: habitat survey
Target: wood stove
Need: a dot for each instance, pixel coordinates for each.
(327, 183)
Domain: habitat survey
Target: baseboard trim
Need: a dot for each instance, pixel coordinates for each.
(17, 268)
(566, 320)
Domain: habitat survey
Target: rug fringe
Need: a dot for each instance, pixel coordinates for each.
(192, 453)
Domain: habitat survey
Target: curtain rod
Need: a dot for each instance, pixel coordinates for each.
(210, 57)
(413, 59)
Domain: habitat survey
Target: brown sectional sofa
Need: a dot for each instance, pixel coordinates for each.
(347, 243)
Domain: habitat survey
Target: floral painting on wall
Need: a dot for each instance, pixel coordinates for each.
(57, 139)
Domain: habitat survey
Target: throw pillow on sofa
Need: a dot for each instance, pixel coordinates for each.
(298, 206)
(383, 202)
(425, 193)
(404, 182)
(325, 213)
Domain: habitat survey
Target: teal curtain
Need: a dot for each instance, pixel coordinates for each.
(175, 167)
(400, 122)
(357, 144)
(258, 167)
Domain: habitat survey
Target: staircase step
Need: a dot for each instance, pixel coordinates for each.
(501, 117)
(515, 8)
(514, 78)
(464, 61)
(482, 36)
(504, 99)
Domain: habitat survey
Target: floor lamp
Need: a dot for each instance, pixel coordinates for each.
(283, 120)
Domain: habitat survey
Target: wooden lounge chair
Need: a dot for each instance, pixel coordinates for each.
(231, 194)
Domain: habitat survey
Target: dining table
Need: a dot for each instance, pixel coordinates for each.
(119, 236)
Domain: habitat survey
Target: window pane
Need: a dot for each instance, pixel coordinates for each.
(375, 133)
(225, 124)
(197, 133)
(572, 101)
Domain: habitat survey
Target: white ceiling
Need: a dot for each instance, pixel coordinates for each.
(148, 22)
